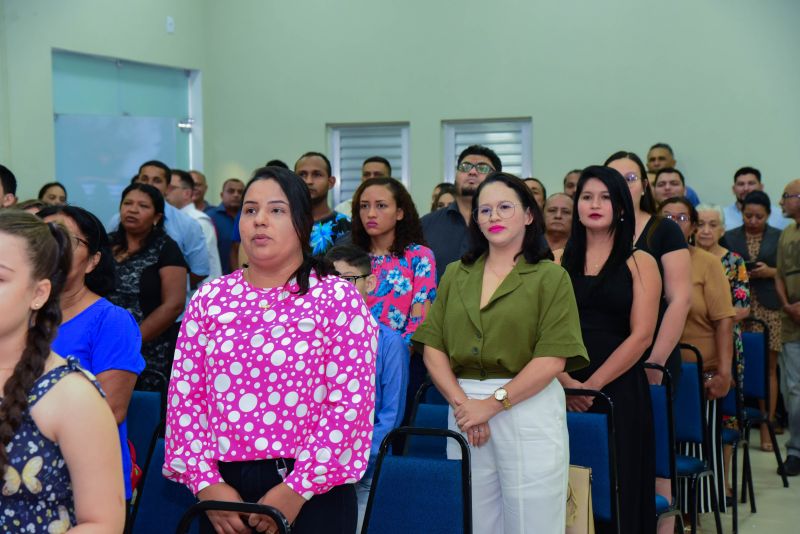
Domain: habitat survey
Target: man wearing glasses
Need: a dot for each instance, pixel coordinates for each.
(447, 230)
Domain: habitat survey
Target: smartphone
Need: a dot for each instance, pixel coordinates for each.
(750, 265)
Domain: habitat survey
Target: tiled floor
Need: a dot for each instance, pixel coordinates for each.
(778, 508)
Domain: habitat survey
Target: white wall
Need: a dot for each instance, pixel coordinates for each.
(717, 79)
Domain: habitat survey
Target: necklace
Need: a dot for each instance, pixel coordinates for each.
(264, 304)
(498, 275)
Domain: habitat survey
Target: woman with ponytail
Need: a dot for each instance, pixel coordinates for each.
(59, 451)
(272, 388)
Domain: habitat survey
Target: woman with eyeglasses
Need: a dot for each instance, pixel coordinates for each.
(503, 326)
(757, 242)
(273, 386)
(105, 338)
(617, 289)
(709, 327)
(663, 240)
(150, 276)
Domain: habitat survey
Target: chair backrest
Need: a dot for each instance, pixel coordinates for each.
(428, 394)
(591, 444)
(663, 424)
(415, 494)
(428, 416)
(186, 522)
(143, 420)
(161, 503)
(690, 425)
(756, 371)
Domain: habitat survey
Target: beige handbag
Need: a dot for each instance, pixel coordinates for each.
(580, 518)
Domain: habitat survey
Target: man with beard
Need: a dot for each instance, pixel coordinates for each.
(447, 230)
(329, 225)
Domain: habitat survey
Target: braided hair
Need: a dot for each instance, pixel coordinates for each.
(49, 252)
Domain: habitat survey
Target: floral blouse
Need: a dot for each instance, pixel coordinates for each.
(402, 282)
(736, 272)
(327, 231)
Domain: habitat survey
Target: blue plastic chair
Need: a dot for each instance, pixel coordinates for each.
(691, 427)
(144, 421)
(756, 387)
(428, 416)
(417, 494)
(591, 444)
(161, 503)
(732, 406)
(664, 433)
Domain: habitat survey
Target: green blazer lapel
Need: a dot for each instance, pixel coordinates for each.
(469, 289)
(509, 284)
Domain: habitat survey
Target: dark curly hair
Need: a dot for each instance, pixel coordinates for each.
(408, 230)
(49, 252)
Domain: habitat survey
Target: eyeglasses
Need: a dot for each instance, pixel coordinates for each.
(681, 217)
(483, 168)
(353, 278)
(77, 241)
(787, 196)
(631, 177)
(505, 210)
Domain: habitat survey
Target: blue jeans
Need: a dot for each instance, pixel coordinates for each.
(790, 387)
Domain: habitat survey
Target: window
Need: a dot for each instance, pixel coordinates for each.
(509, 138)
(352, 144)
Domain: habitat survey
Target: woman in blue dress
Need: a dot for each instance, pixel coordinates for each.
(103, 337)
(59, 451)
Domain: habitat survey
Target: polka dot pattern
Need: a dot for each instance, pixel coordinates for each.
(294, 381)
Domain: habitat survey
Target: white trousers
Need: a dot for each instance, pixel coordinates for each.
(519, 477)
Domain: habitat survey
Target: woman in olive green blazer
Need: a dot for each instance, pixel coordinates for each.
(503, 326)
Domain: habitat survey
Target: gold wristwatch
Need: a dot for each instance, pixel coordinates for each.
(501, 395)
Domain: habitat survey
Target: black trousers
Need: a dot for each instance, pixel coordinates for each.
(333, 512)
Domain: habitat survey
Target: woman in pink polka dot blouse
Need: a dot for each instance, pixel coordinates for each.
(271, 397)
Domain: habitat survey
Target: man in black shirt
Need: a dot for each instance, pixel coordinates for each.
(446, 230)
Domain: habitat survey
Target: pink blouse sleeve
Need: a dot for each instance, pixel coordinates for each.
(423, 286)
(190, 458)
(336, 450)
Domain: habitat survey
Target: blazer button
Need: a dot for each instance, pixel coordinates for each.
(478, 335)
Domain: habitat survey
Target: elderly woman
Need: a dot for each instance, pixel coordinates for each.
(757, 243)
(274, 372)
(709, 327)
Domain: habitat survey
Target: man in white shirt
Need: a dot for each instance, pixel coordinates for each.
(745, 180)
(180, 194)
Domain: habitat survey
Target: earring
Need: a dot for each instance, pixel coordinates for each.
(621, 218)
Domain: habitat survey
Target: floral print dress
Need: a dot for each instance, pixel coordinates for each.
(403, 281)
(327, 231)
(37, 493)
(736, 272)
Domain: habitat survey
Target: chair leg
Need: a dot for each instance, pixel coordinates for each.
(679, 523)
(694, 503)
(745, 469)
(750, 490)
(734, 499)
(777, 452)
(715, 502)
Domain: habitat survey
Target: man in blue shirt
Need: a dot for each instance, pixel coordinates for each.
(225, 220)
(184, 230)
(447, 230)
(745, 180)
(391, 364)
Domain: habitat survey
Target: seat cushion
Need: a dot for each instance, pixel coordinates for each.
(662, 504)
(688, 465)
(729, 436)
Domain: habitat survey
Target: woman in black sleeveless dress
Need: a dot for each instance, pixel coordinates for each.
(617, 289)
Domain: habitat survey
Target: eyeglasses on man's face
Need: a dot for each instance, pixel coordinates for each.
(483, 168)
